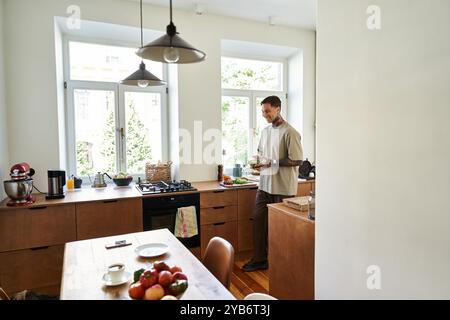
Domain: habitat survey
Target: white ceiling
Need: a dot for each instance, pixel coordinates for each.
(294, 13)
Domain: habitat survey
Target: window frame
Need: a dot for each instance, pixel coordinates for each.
(119, 106)
(254, 94)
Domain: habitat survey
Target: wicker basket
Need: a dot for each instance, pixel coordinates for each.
(158, 172)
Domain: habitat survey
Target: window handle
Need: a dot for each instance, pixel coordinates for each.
(122, 133)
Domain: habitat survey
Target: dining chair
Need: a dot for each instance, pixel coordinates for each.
(219, 260)
(259, 296)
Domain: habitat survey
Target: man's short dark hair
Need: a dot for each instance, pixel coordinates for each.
(274, 101)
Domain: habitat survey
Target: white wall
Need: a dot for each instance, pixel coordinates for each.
(199, 84)
(303, 119)
(383, 149)
(4, 159)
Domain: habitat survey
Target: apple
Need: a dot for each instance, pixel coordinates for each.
(179, 276)
(165, 278)
(169, 297)
(149, 278)
(136, 290)
(160, 266)
(175, 269)
(155, 292)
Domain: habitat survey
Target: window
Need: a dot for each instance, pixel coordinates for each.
(245, 83)
(111, 127)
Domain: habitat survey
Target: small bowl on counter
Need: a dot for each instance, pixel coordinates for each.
(122, 182)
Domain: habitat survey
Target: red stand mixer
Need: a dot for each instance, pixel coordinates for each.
(20, 187)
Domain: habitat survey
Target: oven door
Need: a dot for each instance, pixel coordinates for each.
(161, 212)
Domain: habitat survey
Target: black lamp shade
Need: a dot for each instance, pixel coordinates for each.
(155, 50)
(142, 75)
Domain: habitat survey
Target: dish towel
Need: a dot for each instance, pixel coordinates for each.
(186, 222)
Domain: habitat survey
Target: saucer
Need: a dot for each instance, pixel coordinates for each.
(107, 280)
(150, 250)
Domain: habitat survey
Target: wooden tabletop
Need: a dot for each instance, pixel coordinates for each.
(85, 263)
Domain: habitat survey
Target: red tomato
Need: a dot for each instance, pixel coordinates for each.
(136, 290)
(149, 278)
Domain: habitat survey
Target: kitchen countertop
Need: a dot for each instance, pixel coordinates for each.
(282, 208)
(88, 194)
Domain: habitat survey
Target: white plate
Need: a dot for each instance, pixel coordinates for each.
(151, 250)
(107, 280)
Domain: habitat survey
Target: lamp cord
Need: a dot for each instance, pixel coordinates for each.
(142, 32)
(170, 11)
(34, 187)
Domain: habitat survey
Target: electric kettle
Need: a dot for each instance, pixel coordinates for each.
(99, 180)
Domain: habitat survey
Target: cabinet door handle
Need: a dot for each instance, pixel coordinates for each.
(109, 201)
(219, 191)
(216, 208)
(39, 248)
(37, 208)
(218, 224)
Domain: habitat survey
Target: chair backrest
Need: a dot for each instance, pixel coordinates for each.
(259, 296)
(219, 259)
(3, 295)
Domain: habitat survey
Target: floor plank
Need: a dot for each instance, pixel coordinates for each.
(244, 283)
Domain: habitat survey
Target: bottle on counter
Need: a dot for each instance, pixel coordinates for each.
(219, 172)
(312, 206)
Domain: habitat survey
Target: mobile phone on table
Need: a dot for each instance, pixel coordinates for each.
(118, 244)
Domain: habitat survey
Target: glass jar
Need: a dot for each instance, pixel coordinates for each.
(312, 205)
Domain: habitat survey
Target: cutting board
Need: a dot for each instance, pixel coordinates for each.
(298, 203)
(236, 185)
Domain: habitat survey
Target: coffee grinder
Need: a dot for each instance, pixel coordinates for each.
(56, 183)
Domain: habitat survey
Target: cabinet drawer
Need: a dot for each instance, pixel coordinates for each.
(30, 269)
(36, 227)
(245, 235)
(218, 215)
(226, 230)
(108, 218)
(304, 189)
(218, 198)
(246, 203)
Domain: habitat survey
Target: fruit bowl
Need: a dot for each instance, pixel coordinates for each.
(122, 182)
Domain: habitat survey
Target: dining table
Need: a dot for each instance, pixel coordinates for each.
(87, 261)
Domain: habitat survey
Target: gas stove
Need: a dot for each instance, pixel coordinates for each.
(165, 187)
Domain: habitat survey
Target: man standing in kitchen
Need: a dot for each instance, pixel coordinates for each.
(280, 154)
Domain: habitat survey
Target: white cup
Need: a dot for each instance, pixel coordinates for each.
(115, 272)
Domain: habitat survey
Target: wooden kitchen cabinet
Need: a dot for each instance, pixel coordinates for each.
(226, 230)
(291, 253)
(218, 217)
(218, 198)
(32, 247)
(246, 206)
(108, 218)
(36, 227)
(305, 188)
(32, 269)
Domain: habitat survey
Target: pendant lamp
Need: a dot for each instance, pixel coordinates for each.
(142, 77)
(170, 48)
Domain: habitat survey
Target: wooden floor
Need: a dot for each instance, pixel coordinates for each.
(243, 283)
